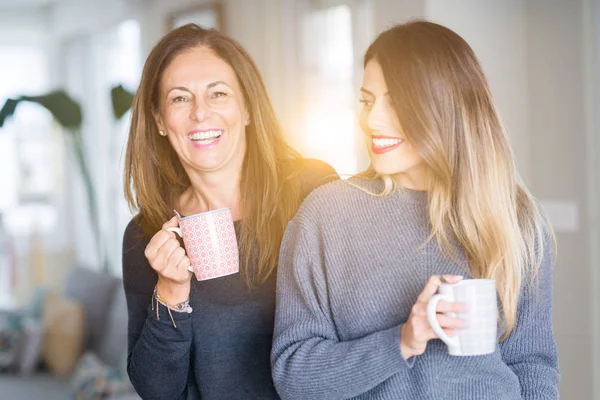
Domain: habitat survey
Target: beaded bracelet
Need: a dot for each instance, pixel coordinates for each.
(181, 307)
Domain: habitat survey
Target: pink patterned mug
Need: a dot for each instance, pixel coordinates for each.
(210, 243)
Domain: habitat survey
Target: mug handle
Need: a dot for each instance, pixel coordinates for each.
(178, 231)
(435, 325)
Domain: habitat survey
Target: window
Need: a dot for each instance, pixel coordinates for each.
(328, 94)
(94, 65)
(26, 140)
(30, 172)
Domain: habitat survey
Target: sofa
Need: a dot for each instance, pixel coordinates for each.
(103, 347)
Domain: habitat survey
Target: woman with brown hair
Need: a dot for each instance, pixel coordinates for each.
(361, 259)
(203, 137)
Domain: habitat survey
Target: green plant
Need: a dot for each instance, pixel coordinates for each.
(121, 101)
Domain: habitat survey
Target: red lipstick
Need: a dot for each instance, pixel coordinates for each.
(384, 144)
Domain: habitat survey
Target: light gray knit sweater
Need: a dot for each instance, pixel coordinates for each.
(351, 268)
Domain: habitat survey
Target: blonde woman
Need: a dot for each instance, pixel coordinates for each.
(361, 259)
(204, 136)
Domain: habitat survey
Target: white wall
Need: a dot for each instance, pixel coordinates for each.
(71, 18)
(591, 26)
(559, 171)
(22, 29)
(533, 53)
(496, 31)
(387, 13)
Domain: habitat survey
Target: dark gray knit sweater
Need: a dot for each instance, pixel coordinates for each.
(221, 350)
(351, 267)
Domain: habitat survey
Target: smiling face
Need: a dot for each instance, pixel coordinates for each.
(389, 150)
(202, 111)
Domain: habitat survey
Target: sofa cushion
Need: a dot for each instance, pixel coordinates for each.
(113, 347)
(94, 290)
(64, 334)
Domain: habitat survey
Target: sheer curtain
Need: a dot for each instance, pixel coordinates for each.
(30, 171)
(27, 138)
(94, 64)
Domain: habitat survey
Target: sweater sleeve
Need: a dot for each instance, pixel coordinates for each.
(158, 353)
(309, 361)
(530, 350)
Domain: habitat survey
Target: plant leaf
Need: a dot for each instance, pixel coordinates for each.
(122, 100)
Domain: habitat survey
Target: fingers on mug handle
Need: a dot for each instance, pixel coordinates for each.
(434, 323)
(173, 222)
(451, 278)
(431, 288)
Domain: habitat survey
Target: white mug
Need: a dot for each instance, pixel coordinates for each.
(482, 316)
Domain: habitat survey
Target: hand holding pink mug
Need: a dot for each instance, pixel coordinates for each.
(210, 243)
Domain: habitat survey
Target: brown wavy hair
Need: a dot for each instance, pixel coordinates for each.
(155, 178)
(476, 198)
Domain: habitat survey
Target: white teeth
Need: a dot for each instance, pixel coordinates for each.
(205, 135)
(386, 142)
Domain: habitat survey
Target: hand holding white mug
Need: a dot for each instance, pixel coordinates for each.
(168, 259)
(480, 337)
(416, 331)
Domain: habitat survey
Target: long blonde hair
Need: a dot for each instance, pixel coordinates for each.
(155, 178)
(444, 105)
